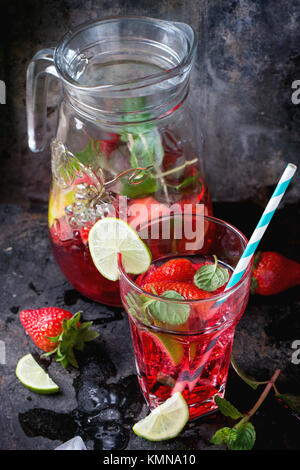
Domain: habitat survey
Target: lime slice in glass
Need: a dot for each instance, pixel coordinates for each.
(110, 236)
(166, 421)
(34, 377)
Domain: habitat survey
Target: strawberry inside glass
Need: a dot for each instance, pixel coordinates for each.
(183, 322)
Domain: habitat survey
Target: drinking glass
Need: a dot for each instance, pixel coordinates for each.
(191, 357)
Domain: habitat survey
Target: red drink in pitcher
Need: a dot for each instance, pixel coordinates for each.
(127, 126)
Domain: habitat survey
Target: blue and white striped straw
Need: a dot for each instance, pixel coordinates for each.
(262, 225)
(186, 378)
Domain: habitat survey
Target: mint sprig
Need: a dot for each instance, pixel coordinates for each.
(210, 277)
(241, 436)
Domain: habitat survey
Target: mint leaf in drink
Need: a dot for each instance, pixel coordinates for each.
(227, 409)
(244, 439)
(186, 182)
(136, 306)
(87, 155)
(210, 277)
(148, 186)
(172, 313)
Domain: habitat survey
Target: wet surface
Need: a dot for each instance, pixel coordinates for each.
(102, 400)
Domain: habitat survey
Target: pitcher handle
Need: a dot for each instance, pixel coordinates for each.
(39, 70)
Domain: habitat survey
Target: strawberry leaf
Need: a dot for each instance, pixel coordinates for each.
(73, 335)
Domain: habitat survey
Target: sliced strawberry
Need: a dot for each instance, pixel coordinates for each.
(84, 233)
(107, 146)
(176, 269)
(143, 278)
(188, 290)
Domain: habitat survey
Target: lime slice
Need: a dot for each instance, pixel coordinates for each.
(110, 236)
(166, 421)
(172, 347)
(34, 377)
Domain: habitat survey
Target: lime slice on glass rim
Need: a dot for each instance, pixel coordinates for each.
(110, 236)
(166, 421)
(34, 377)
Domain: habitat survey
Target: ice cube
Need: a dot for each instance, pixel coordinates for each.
(76, 443)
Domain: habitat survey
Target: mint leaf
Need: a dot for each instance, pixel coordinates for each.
(253, 383)
(293, 401)
(87, 155)
(136, 307)
(172, 313)
(224, 436)
(148, 186)
(144, 140)
(244, 438)
(227, 409)
(210, 277)
(186, 182)
(238, 438)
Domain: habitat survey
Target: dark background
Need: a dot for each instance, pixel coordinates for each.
(248, 57)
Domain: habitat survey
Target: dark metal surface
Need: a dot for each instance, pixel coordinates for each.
(106, 383)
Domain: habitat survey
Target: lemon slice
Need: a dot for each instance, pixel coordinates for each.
(110, 236)
(166, 421)
(58, 201)
(34, 377)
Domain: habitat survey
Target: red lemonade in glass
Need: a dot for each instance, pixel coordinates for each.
(183, 342)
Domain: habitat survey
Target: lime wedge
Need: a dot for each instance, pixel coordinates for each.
(173, 348)
(34, 377)
(166, 421)
(110, 236)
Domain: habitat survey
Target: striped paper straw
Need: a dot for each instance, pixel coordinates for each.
(186, 378)
(262, 225)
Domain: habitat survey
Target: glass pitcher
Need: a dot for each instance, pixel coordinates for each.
(126, 145)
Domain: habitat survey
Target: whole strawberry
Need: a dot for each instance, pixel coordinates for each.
(273, 273)
(56, 330)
